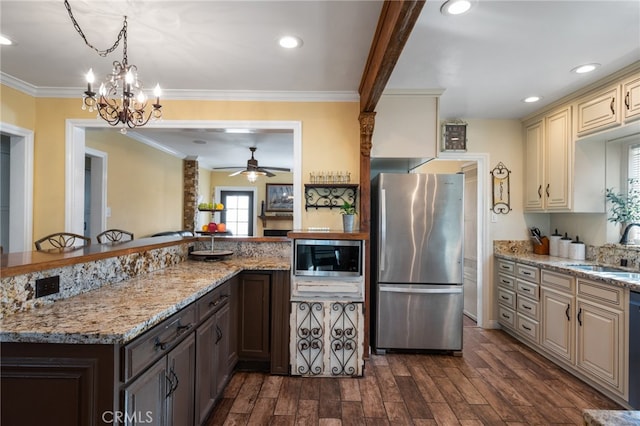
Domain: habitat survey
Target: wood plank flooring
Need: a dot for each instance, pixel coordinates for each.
(497, 381)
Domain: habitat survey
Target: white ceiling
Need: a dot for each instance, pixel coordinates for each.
(486, 61)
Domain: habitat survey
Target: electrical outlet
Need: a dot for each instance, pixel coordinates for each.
(47, 286)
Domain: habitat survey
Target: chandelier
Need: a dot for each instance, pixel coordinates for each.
(120, 98)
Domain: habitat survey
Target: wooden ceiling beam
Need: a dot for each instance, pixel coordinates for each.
(396, 21)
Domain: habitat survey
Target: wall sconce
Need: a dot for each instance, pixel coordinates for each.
(500, 189)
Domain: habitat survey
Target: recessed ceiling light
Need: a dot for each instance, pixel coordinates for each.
(290, 42)
(582, 69)
(455, 7)
(4, 41)
(532, 99)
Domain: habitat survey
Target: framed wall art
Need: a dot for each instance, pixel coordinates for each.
(279, 197)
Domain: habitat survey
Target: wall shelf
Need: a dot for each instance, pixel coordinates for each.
(266, 218)
(329, 195)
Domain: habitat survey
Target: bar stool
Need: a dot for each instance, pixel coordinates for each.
(62, 240)
(114, 236)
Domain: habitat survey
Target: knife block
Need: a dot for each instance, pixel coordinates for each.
(541, 248)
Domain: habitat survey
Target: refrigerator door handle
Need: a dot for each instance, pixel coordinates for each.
(383, 227)
(397, 289)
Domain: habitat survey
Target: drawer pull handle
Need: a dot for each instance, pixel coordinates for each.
(613, 101)
(626, 101)
(528, 290)
(580, 317)
(525, 327)
(506, 282)
(526, 307)
(218, 334)
(540, 191)
(504, 267)
(567, 312)
(504, 297)
(180, 330)
(219, 300)
(526, 273)
(172, 385)
(547, 191)
(505, 316)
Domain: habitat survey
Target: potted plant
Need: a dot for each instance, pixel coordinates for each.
(348, 211)
(624, 208)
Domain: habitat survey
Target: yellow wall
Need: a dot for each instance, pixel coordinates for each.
(330, 140)
(144, 190)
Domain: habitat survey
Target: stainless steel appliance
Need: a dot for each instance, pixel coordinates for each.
(417, 261)
(634, 350)
(327, 258)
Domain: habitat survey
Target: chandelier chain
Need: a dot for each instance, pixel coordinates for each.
(103, 53)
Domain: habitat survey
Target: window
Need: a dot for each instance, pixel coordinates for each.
(633, 171)
(238, 212)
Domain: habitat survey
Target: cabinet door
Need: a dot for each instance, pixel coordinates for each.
(345, 339)
(307, 338)
(206, 366)
(222, 353)
(599, 339)
(181, 371)
(631, 93)
(145, 398)
(234, 319)
(557, 323)
(254, 317)
(599, 111)
(534, 166)
(559, 160)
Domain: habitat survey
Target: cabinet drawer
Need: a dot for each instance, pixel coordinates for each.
(527, 289)
(506, 316)
(507, 298)
(506, 266)
(529, 273)
(528, 327)
(528, 307)
(142, 351)
(506, 281)
(213, 301)
(559, 281)
(601, 293)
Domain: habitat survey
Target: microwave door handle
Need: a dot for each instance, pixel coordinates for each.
(383, 227)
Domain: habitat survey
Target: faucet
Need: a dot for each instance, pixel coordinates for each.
(625, 234)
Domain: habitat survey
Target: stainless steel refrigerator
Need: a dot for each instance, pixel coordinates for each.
(417, 261)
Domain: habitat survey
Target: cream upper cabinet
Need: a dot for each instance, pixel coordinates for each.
(599, 111)
(549, 162)
(534, 166)
(631, 102)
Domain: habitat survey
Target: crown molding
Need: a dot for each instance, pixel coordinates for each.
(200, 95)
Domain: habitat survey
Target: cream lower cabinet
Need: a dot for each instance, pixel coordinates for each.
(327, 338)
(600, 336)
(558, 321)
(579, 323)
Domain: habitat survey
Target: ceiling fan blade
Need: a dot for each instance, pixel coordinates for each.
(227, 167)
(265, 171)
(279, 169)
(237, 173)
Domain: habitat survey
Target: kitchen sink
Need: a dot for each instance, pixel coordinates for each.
(598, 268)
(625, 275)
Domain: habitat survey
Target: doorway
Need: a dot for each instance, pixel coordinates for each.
(470, 262)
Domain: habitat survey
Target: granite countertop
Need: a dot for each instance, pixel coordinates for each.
(564, 265)
(117, 313)
(610, 417)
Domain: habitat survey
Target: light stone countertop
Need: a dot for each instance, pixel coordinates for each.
(611, 417)
(563, 265)
(117, 313)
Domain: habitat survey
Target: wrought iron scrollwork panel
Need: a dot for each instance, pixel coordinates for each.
(329, 196)
(344, 338)
(310, 336)
(501, 189)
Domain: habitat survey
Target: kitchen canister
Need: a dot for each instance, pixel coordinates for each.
(563, 246)
(554, 241)
(577, 249)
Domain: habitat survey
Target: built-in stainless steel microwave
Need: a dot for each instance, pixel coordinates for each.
(327, 258)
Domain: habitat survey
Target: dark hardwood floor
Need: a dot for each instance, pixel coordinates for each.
(497, 381)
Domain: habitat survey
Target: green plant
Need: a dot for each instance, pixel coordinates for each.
(624, 208)
(347, 208)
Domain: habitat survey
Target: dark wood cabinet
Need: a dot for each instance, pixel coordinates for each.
(263, 333)
(254, 317)
(145, 397)
(181, 376)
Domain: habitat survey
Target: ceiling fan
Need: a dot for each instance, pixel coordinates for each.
(253, 169)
